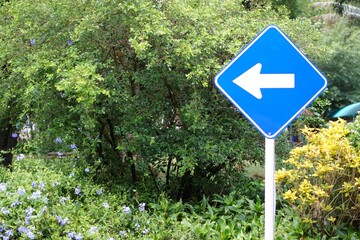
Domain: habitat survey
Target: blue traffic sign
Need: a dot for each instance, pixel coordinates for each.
(271, 81)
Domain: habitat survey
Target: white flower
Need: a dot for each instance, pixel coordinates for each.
(2, 187)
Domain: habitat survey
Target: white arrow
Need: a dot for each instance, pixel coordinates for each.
(253, 81)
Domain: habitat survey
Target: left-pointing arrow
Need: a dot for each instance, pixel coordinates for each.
(253, 81)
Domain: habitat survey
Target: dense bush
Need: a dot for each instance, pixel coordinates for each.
(321, 181)
(57, 199)
(131, 84)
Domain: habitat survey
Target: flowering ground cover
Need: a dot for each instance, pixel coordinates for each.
(58, 198)
(38, 202)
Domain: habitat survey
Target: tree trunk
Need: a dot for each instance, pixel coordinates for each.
(7, 143)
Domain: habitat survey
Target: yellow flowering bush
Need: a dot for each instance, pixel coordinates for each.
(321, 180)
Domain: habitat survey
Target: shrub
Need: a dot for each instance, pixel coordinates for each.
(354, 135)
(322, 181)
(58, 199)
(40, 201)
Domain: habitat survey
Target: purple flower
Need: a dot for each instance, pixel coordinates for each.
(42, 185)
(27, 220)
(78, 237)
(23, 229)
(21, 191)
(58, 140)
(55, 183)
(87, 170)
(5, 211)
(36, 195)
(71, 175)
(63, 200)
(71, 235)
(2, 187)
(32, 41)
(93, 230)
(30, 235)
(77, 190)
(29, 211)
(141, 207)
(44, 209)
(20, 157)
(99, 191)
(122, 233)
(34, 184)
(2, 227)
(74, 235)
(145, 231)
(137, 226)
(16, 203)
(70, 42)
(14, 135)
(73, 146)
(126, 210)
(9, 233)
(62, 221)
(105, 205)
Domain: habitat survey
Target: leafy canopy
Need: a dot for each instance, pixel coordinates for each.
(131, 83)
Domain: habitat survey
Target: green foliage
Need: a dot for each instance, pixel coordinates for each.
(343, 68)
(42, 202)
(354, 135)
(131, 84)
(295, 7)
(322, 180)
(59, 200)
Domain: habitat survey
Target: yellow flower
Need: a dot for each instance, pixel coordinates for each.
(357, 181)
(323, 169)
(332, 219)
(308, 220)
(347, 187)
(307, 164)
(326, 208)
(319, 192)
(305, 186)
(281, 175)
(290, 195)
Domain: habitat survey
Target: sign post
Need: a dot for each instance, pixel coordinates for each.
(270, 193)
(271, 82)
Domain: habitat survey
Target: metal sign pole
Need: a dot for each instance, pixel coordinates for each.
(270, 193)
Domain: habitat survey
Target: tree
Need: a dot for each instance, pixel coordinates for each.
(343, 68)
(339, 9)
(131, 84)
(341, 20)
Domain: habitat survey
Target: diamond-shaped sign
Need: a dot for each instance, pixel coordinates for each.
(271, 81)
